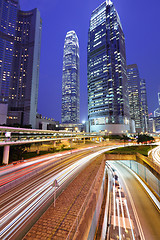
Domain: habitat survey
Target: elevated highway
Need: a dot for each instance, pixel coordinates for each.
(10, 136)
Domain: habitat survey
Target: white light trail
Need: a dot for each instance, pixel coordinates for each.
(114, 202)
(124, 224)
(125, 201)
(119, 224)
(132, 204)
(15, 218)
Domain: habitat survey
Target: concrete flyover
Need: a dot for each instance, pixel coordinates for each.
(20, 136)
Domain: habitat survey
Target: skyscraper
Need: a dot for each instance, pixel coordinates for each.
(157, 111)
(8, 18)
(144, 106)
(70, 79)
(135, 96)
(108, 106)
(20, 41)
(24, 84)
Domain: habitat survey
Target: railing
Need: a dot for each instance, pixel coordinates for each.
(83, 207)
(150, 162)
(145, 174)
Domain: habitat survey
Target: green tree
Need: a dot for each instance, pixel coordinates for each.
(144, 138)
(16, 152)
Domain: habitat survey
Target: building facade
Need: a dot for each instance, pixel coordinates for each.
(157, 124)
(135, 96)
(8, 17)
(157, 111)
(23, 94)
(70, 79)
(108, 105)
(20, 42)
(144, 106)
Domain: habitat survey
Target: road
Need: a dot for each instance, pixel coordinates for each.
(155, 153)
(20, 205)
(144, 215)
(12, 172)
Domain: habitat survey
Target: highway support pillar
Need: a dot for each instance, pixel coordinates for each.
(6, 154)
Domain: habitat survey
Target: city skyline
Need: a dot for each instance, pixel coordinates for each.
(133, 25)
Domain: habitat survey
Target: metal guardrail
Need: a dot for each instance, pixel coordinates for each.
(83, 208)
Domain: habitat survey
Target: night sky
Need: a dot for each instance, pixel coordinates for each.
(141, 25)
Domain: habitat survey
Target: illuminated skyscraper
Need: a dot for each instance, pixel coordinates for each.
(20, 42)
(70, 79)
(135, 96)
(157, 111)
(108, 105)
(8, 18)
(23, 96)
(144, 106)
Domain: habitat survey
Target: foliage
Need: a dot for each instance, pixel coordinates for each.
(125, 138)
(16, 152)
(143, 149)
(144, 138)
(117, 137)
(112, 137)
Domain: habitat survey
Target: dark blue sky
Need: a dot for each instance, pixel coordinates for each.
(141, 25)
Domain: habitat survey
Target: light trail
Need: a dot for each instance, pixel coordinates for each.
(16, 217)
(114, 202)
(10, 168)
(119, 224)
(152, 196)
(125, 201)
(133, 206)
(124, 224)
(155, 155)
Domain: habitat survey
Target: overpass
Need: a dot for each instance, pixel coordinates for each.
(20, 136)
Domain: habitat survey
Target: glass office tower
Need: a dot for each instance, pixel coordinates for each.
(8, 17)
(23, 96)
(70, 79)
(135, 96)
(108, 106)
(157, 111)
(144, 106)
(20, 41)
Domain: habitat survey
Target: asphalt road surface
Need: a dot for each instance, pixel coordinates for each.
(144, 213)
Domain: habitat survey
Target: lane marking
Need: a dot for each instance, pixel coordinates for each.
(133, 207)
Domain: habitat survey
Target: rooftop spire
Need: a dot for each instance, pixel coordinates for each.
(108, 2)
